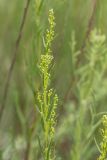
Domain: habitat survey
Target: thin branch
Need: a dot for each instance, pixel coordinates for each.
(90, 24)
(89, 28)
(17, 43)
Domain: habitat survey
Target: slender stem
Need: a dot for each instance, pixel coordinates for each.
(89, 28)
(17, 43)
(45, 112)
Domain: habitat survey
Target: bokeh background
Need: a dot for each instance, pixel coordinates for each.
(19, 122)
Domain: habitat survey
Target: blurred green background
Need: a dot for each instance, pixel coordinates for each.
(20, 117)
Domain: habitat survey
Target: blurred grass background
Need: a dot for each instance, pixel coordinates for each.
(19, 118)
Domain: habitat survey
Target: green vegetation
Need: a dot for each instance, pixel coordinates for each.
(53, 83)
(47, 99)
(104, 140)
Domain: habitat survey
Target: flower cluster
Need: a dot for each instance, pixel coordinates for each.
(47, 98)
(50, 32)
(103, 145)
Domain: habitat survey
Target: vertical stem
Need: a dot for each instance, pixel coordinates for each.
(6, 88)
